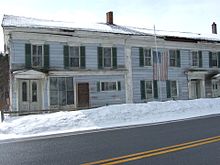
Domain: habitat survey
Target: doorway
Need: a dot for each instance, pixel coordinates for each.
(29, 95)
(83, 95)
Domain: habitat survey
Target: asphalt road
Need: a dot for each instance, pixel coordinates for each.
(74, 149)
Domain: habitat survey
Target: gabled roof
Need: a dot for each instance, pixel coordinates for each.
(25, 22)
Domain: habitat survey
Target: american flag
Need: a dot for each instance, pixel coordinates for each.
(160, 65)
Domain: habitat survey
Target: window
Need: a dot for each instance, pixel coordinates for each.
(171, 89)
(148, 89)
(61, 91)
(145, 57)
(174, 58)
(109, 86)
(74, 57)
(107, 57)
(197, 58)
(37, 56)
(214, 59)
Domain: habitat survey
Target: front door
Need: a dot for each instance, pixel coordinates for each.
(29, 95)
(83, 95)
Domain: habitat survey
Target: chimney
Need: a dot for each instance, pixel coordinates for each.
(109, 18)
(214, 28)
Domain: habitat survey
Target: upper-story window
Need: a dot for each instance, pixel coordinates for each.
(36, 56)
(74, 56)
(197, 59)
(174, 58)
(107, 57)
(214, 59)
(145, 57)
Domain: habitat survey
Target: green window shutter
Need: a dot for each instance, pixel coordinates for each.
(168, 89)
(218, 59)
(200, 59)
(141, 57)
(28, 56)
(155, 89)
(119, 85)
(210, 59)
(82, 57)
(142, 88)
(66, 56)
(100, 58)
(178, 58)
(46, 56)
(98, 86)
(114, 57)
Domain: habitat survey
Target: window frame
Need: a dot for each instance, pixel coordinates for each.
(146, 90)
(217, 60)
(60, 91)
(145, 50)
(72, 56)
(101, 87)
(103, 57)
(195, 54)
(176, 54)
(37, 55)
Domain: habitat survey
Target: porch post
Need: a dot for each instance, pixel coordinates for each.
(202, 83)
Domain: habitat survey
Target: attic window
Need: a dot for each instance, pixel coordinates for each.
(67, 30)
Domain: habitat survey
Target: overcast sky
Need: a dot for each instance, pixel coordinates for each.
(178, 15)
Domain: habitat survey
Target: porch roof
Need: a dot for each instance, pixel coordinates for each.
(29, 74)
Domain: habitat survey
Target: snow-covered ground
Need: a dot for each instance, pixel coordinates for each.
(106, 117)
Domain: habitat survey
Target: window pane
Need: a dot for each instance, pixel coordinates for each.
(39, 50)
(53, 97)
(147, 55)
(70, 97)
(195, 59)
(74, 62)
(24, 91)
(62, 98)
(214, 59)
(69, 83)
(149, 90)
(109, 86)
(173, 89)
(34, 49)
(53, 84)
(62, 84)
(34, 92)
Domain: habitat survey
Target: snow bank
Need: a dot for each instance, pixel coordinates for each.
(106, 117)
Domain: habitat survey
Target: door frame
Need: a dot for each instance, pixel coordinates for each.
(29, 94)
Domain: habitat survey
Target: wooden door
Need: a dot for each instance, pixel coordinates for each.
(83, 95)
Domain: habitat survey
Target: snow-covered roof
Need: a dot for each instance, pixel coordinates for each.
(18, 21)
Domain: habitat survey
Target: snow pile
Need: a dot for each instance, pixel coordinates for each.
(106, 117)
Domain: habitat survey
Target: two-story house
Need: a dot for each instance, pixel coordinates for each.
(63, 65)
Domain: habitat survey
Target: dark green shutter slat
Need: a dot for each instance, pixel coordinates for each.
(100, 58)
(82, 57)
(119, 85)
(200, 59)
(210, 59)
(66, 56)
(114, 57)
(28, 56)
(155, 89)
(218, 59)
(98, 86)
(178, 58)
(142, 88)
(46, 56)
(168, 89)
(141, 57)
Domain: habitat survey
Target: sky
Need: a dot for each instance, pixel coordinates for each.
(175, 15)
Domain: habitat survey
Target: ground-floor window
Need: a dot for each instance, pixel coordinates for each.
(171, 89)
(148, 89)
(109, 86)
(61, 91)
